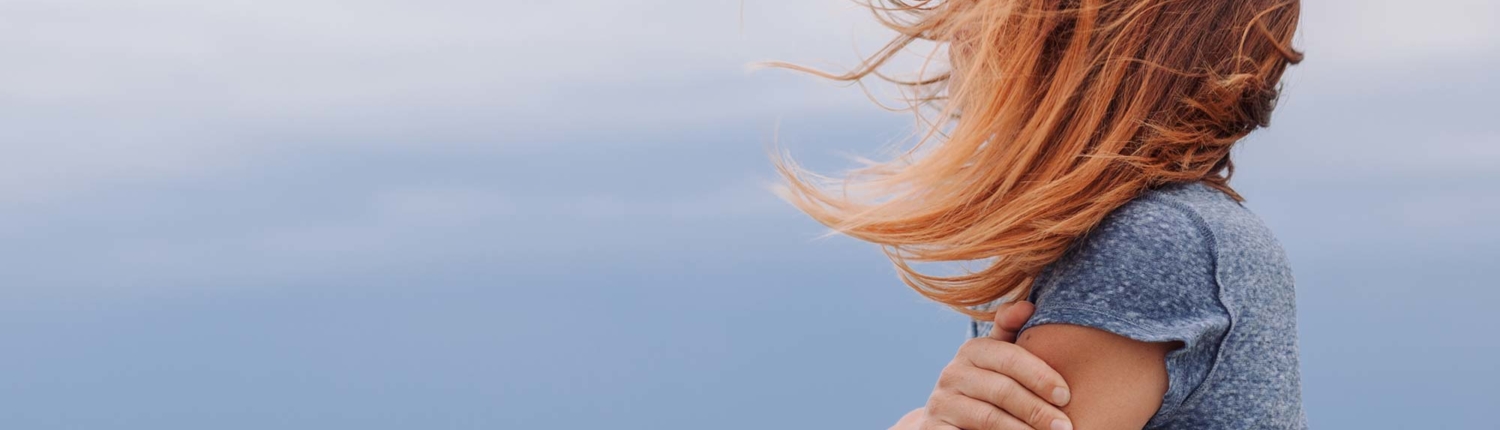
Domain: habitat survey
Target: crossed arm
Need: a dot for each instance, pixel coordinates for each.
(1055, 377)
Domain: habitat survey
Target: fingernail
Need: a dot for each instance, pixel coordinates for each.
(1060, 396)
(1061, 425)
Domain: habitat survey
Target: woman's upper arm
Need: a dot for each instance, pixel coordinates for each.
(1116, 382)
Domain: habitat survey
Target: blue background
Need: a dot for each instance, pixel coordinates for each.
(463, 214)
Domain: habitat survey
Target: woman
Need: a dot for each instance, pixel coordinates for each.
(1080, 157)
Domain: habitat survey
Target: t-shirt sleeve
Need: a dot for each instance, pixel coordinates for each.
(1147, 272)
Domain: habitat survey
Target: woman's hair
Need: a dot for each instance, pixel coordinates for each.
(1050, 115)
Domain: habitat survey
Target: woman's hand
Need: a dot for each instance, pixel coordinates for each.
(992, 384)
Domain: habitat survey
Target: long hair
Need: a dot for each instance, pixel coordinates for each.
(1050, 114)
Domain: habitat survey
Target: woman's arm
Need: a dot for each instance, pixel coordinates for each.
(993, 384)
(1116, 382)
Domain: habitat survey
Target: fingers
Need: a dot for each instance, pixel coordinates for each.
(996, 385)
(962, 412)
(1009, 318)
(1015, 316)
(1018, 364)
(1009, 397)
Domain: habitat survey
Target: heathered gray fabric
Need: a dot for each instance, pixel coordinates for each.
(1186, 263)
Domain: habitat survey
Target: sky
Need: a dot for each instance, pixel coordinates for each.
(462, 214)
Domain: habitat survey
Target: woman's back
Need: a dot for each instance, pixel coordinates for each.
(1189, 264)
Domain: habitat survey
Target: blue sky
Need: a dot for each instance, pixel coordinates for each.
(462, 214)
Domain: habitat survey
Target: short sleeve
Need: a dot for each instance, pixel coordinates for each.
(1147, 272)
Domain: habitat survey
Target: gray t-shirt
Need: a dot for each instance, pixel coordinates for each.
(1186, 263)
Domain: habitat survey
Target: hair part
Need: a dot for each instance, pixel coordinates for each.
(1050, 115)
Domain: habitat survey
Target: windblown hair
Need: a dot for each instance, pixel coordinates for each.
(1050, 114)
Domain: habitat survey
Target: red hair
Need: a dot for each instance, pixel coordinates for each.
(1051, 114)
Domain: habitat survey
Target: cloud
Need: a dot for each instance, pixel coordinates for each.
(1366, 33)
(177, 90)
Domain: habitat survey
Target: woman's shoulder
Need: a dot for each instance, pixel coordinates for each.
(1191, 219)
(1216, 215)
(1164, 225)
(1148, 271)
